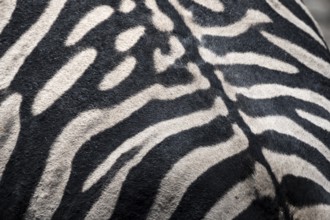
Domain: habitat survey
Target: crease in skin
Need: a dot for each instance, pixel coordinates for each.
(160, 20)
(14, 58)
(249, 20)
(284, 125)
(9, 128)
(247, 58)
(163, 61)
(7, 8)
(283, 165)
(268, 91)
(313, 62)
(88, 22)
(104, 206)
(316, 120)
(45, 199)
(290, 17)
(213, 5)
(189, 168)
(127, 6)
(63, 80)
(118, 74)
(241, 195)
(127, 39)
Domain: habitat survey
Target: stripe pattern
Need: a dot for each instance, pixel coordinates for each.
(150, 109)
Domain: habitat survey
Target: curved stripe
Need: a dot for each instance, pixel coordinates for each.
(127, 6)
(189, 168)
(313, 62)
(250, 19)
(14, 58)
(268, 91)
(316, 120)
(127, 39)
(6, 10)
(213, 5)
(111, 192)
(88, 22)
(9, 127)
(319, 212)
(309, 14)
(119, 74)
(160, 20)
(247, 58)
(283, 165)
(63, 80)
(240, 196)
(81, 129)
(162, 62)
(290, 17)
(285, 126)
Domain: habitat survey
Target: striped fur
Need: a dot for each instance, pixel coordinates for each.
(152, 109)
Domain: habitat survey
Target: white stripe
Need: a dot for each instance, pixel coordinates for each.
(127, 39)
(7, 8)
(127, 6)
(290, 17)
(88, 22)
(119, 74)
(162, 62)
(250, 19)
(14, 58)
(213, 5)
(283, 165)
(160, 20)
(9, 127)
(63, 80)
(247, 58)
(111, 193)
(81, 129)
(284, 125)
(319, 212)
(189, 168)
(302, 55)
(303, 6)
(318, 121)
(240, 196)
(268, 91)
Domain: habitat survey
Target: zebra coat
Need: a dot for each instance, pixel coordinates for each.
(163, 109)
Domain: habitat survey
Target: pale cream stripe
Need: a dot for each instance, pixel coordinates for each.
(250, 19)
(302, 55)
(240, 196)
(14, 58)
(118, 74)
(247, 58)
(189, 168)
(88, 22)
(87, 124)
(213, 5)
(110, 194)
(318, 121)
(160, 20)
(63, 80)
(7, 8)
(9, 127)
(283, 165)
(290, 17)
(267, 91)
(284, 125)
